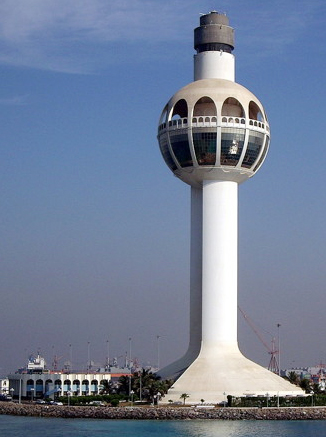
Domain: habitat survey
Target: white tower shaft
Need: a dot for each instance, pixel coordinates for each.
(219, 284)
(214, 65)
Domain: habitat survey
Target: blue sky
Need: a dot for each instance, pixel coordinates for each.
(95, 229)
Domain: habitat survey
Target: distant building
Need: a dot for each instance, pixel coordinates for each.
(39, 385)
(4, 386)
(315, 374)
(35, 381)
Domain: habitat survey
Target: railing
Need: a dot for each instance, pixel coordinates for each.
(211, 121)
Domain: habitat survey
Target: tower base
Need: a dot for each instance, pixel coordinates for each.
(222, 370)
(177, 368)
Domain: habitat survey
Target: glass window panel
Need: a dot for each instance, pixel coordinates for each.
(180, 147)
(232, 141)
(205, 147)
(166, 153)
(255, 142)
(263, 154)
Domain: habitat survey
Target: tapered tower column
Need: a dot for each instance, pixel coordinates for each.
(175, 369)
(214, 135)
(220, 241)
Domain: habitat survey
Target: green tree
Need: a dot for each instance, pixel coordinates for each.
(305, 385)
(150, 385)
(293, 377)
(316, 388)
(184, 396)
(125, 382)
(106, 387)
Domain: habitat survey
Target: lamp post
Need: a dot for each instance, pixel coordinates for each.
(68, 395)
(129, 367)
(108, 352)
(279, 348)
(267, 397)
(132, 397)
(20, 392)
(312, 398)
(158, 351)
(88, 357)
(70, 353)
(32, 394)
(130, 353)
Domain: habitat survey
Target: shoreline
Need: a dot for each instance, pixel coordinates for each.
(163, 413)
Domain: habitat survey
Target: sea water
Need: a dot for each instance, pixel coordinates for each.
(16, 426)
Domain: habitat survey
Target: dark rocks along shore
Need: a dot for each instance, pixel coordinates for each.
(163, 413)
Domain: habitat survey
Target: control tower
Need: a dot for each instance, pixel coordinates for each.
(214, 135)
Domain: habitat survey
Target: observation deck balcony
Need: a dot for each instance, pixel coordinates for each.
(213, 121)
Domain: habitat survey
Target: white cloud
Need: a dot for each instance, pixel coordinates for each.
(14, 101)
(97, 20)
(84, 35)
(65, 35)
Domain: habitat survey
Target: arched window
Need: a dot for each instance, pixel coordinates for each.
(85, 387)
(180, 110)
(67, 385)
(76, 386)
(233, 107)
(39, 387)
(205, 107)
(29, 385)
(254, 112)
(204, 133)
(163, 116)
(94, 386)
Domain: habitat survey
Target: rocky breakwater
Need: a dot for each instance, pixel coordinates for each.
(163, 413)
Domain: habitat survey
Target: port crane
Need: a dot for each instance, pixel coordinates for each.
(273, 365)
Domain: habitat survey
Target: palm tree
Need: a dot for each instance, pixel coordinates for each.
(184, 396)
(145, 384)
(305, 385)
(106, 387)
(293, 377)
(125, 382)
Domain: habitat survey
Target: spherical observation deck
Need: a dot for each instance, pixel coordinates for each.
(213, 129)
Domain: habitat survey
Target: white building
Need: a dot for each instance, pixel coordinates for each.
(36, 381)
(4, 386)
(48, 384)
